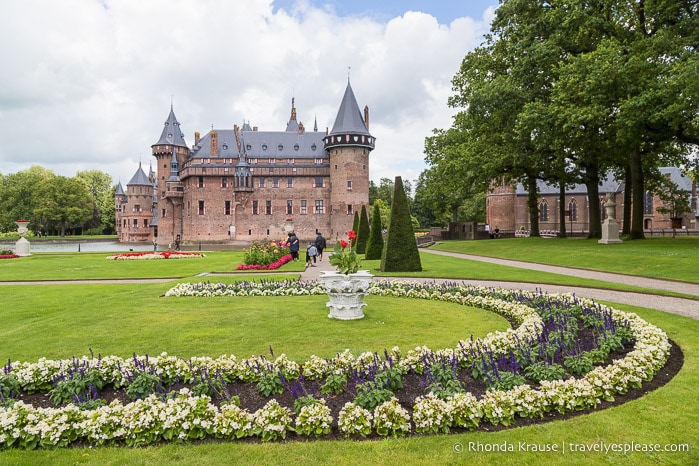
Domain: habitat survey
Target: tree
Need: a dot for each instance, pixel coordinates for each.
(363, 231)
(355, 226)
(99, 185)
(19, 194)
(62, 203)
(374, 247)
(400, 252)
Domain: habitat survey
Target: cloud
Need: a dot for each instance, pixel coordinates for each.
(88, 84)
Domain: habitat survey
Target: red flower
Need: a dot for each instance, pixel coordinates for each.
(351, 235)
(343, 243)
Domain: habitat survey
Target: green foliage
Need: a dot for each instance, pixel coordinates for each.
(400, 252)
(62, 203)
(371, 394)
(542, 371)
(579, 364)
(390, 377)
(75, 387)
(363, 231)
(269, 384)
(374, 247)
(344, 257)
(504, 381)
(143, 385)
(9, 385)
(334, 384)
(305, 400)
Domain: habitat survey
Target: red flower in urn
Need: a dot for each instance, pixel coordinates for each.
(344, 258)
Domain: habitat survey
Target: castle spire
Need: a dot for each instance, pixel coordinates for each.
(349, 129)
(172, 135)
(293, 125)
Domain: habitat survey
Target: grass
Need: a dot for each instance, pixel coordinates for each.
(668, 258)
(84, 266)
(57, 325)
(666, 416)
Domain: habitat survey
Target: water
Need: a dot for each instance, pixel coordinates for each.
(111, 246)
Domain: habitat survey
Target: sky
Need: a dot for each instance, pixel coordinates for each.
(88, 84)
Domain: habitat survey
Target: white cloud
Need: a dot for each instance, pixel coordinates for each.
(88, 84)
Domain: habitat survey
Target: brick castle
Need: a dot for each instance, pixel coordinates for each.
(245, 184)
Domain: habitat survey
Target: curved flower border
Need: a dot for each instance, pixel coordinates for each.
(185, 417)
(273, 266)
(155, 255)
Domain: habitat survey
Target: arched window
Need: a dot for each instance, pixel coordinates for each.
(573, 210)
(647, 203)
(543, 211)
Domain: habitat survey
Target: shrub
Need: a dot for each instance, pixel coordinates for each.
(400, 253)
(374, 246)
(370, 395)
(363, 231)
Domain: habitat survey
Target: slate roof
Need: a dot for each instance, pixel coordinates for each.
(139, 178)
(264, 144)
(349, 118)
(609, 184)
(119, 190)
(172, 134)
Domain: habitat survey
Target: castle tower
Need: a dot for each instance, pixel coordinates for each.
(501, 208)
(170, 152)
(348, 146)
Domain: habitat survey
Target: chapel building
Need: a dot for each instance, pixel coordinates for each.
(246, 184)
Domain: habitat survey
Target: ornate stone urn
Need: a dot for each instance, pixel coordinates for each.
(346, 293)
(22, 246)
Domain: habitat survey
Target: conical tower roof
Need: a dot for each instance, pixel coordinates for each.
(350, 129)
(172, 134)
(349, 118)
(139, 178)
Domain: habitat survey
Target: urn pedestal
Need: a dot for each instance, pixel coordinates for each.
(22, 247)
(346, 293)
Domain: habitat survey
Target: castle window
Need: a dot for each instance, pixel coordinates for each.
(647, 203)
(350, 209)
(303, 207)
(268, 207)
(289, 207)
(313, 146)
(319, 161)
(349, 185)
(224, 182)
(201, 207)
(289, 182)
(280, 147)
(137, 208)
(296, 147)
(262, 182)
(200, 182)
(272, 161)
(248, 147)
(163, 213)
(264, 146)
(227, 208)
(543, 211)
(275, 182)
(319, 182)
(225, 146)
(320, 209)
(135, 223)
(573, 211)
(145, 223)
(255, 208)
(290, 161)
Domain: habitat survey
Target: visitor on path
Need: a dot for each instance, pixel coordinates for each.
(294, 246)
(311, 253)
(177, 243)
(320, 245)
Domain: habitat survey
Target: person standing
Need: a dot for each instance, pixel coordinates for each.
(320, 245)
(294, 246)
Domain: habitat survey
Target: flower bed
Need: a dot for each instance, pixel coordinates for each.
(187, 414)
(7, 254)
(155, 255)
(273, 266)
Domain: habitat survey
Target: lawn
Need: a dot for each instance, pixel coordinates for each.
(668, 258)
(67, 318)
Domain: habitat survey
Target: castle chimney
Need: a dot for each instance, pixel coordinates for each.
(366, 116)
(196, 138)
(254, 128)
(214, 144)
(301, 128)
(237, 136)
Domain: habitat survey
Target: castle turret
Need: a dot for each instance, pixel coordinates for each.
(171, 153)
(348, 146)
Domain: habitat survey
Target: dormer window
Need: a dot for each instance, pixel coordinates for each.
(264, 146)
(313, 146)
(248, 147)
(280, 147)
(225, 146)
(296, 147)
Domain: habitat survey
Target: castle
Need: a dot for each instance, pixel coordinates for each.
(245, 184)
(506, 205)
